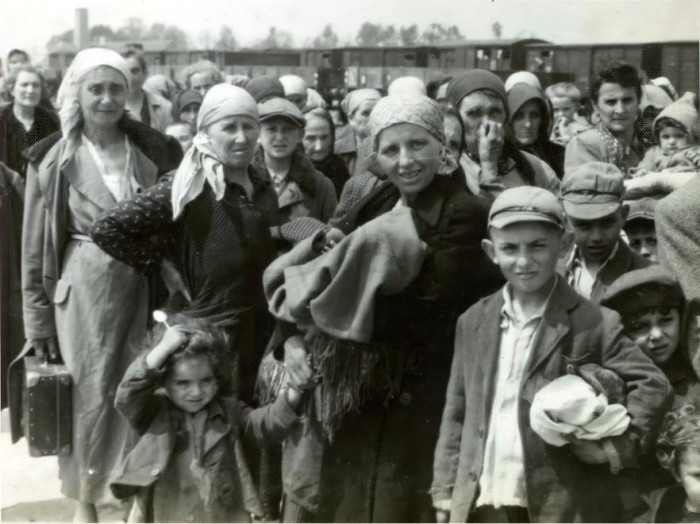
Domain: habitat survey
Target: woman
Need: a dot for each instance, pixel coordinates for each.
(186, 106)
(318, 142)
(161, 85)
(350, 142)
(378, 466)
(24, 122)
(79, 301)
(213, 220)
(616, 92)
(530, 124)
(145, 106)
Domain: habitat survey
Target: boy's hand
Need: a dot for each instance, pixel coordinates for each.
(333, 236)
(588, 451)
(442, 515)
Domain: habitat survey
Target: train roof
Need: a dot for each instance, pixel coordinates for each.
(505, 42)
(606, 44)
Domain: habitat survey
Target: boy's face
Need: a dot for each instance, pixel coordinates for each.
(657, 332)
(596, 239)
(191, 384)
(672, 139)
(279, 137)
(563, 108)
(182, 133)
(642, 238)
(689, 475)
(527, 253)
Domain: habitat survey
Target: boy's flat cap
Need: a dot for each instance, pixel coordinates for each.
(526, 204)
(592, 190)
(642, 209)
(281, 107)
(643, 288)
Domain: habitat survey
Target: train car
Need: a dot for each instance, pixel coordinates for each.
(494, 55)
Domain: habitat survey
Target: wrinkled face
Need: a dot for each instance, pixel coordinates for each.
(297, 100)
(475, 109)
(191, 384)
(618, 107)
(596, 239)
(102, 96)
(453, 135)
(527, 253)
(527, 121)
(138, 75)
(317, 138)
(202, 82)
(182, 133)
(689, 475)
(279, 137)
(359, 120)
(27, 89)
(642, 238)
(657, 332)
(189, 113)
(233, 139)
(671, 139)
(563, 108)
(16, 60)
(409, 156)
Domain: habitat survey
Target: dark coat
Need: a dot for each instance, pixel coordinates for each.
(574, 331)
(46, 122)
(335, 170)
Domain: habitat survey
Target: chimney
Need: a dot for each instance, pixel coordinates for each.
(81, 35)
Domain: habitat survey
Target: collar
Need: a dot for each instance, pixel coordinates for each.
(577, 261)
(215, 412)
(508, 312)
(301, 170)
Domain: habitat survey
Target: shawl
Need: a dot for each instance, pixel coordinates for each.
(354, 98)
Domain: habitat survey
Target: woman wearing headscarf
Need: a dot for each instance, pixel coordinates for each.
(350, 141)
(80, 302)
(213, 222)
(318, 140)
(530, 124)
(365, 452)
(161, 85)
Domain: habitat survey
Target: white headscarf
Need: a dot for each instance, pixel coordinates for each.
(67, 98)
(407, 86)
(200, 163)
(293, 85)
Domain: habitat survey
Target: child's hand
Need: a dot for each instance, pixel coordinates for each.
(588, 451)
(442, 515)
(173, 338)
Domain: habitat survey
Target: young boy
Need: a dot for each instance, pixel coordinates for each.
(565, 99)
(640, 228)
(183, 132)
(188, 463)
(592, 197)
(490, 466)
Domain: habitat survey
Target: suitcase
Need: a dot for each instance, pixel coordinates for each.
(47, 414)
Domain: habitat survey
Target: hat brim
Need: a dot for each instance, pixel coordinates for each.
(590, 210)
(507, 218)
(299, 122)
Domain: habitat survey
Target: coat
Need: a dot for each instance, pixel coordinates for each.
(589, 146)
(46, 122)
(355, 153)
(160, 426)
(573, 331)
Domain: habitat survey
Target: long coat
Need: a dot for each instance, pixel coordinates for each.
(560, 488)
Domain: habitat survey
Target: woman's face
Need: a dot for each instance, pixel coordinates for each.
(27, 89)
(527, 121)
(617, 106)
(189, 113)
(233, 139)
(202, 82)
(138, 75)
(16, 60)
(102, 96)
(317, 138)
(409, 156)
(360, 118)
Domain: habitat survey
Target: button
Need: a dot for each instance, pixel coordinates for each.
(405, 399)
(155, 472)
(472, 476)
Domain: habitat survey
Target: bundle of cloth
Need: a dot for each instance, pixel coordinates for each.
(330, 296)
(587, 406)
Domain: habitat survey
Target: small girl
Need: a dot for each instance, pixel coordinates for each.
(188, 462)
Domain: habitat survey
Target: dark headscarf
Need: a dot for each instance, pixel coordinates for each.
(263, 87)
(182, 100)
(475, 80)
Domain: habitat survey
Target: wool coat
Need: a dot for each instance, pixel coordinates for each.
(573, 332)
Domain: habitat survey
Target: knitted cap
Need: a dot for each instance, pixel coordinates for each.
(643, 288)
(526, 204)
(592, 190)
(682, 111)
(475, 80)
(263, 87)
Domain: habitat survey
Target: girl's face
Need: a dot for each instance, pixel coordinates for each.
(618, 107)
(191, 384)
(689, 476)
(409, 156)
(671, 139)
(657, 332)
(279, 137)
(317, 138)
(103, 96)
(526, 122)
(360, 118)
(27, 89)
(233, 140)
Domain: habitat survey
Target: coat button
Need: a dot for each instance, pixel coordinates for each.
(473, 477)
(405, 399)
(91, 471)
(155, 472)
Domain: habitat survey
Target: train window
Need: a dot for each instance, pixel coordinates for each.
(547, 54)
(483, 54)
(505, 54)
(409, 58)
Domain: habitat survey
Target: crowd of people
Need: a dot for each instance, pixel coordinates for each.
(472, 300)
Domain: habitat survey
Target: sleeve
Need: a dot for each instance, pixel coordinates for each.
(330, 200)
(550, 181)
(449, 442)
(267, 425)
(581, 150)
(136, 230)
(136, 398)
(648, 163)
(38, 311)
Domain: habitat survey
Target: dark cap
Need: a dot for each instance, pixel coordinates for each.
(183, 99)
(281, 107)
(262, 88)
(526, 204)
(642, 209)
(652, 286)
(593, 190)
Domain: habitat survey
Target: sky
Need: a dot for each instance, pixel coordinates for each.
(30, 23)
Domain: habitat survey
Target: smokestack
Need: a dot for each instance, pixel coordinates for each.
(81, 34)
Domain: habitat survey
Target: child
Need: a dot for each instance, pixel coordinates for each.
(650, 302)
(675, 129)
(592, 197)
(678, 450)
(183, 132)
(490, 466)
(565, 99)
(188, 462)
(640, 228)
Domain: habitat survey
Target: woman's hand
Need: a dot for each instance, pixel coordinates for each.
(174, 338)
(490, 148)
(45, 347)
(296, 363)
(442, 516)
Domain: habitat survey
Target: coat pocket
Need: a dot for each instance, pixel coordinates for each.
(62, 292)
(226, 483)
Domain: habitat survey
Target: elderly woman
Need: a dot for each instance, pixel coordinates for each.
(79, 301)
(530, 124)
(318, 142)
(24, 122)
(161, 85)
(616, 92)
(202, 76)
(377, 467)
(350, 141)
(213, 221)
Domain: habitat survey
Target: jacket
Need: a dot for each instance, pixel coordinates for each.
(159, 424)
(355, 153)
(46, 122)
(573, 331)
(590, 146)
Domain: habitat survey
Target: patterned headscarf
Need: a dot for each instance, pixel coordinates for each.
(354, 98)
